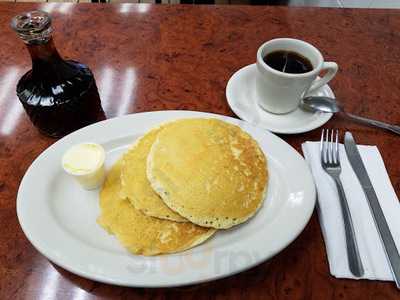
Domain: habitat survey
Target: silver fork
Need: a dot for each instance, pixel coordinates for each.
(330, 162)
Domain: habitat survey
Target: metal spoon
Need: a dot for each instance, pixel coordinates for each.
(330, 105)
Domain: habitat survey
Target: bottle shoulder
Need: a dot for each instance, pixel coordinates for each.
(72, 82)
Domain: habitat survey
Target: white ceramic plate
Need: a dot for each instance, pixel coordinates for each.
(242, 98)
(59, 217)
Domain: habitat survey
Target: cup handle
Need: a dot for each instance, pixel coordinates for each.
(331, 69)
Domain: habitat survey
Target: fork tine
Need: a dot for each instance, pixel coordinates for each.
(321, 145)
(326, 145)
(337, 158)
(329, 147)
(322, 140)
(331, 152)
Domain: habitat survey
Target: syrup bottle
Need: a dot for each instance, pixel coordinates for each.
(59, 95)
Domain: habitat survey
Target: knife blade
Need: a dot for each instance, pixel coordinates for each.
(392, 254)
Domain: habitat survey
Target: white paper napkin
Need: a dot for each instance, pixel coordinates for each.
(371, 250)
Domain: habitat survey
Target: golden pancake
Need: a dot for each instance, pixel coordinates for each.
(211, 172)
(135, 185)
(139, 233)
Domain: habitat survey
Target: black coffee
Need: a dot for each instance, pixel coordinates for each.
(288, 62)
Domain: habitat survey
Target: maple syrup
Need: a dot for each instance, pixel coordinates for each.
(59, 95)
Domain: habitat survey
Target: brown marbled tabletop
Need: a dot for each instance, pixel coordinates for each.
(160, 57)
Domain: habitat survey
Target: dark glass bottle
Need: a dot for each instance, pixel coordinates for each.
(59, 95)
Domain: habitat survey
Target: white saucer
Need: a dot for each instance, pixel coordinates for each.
(241, 96)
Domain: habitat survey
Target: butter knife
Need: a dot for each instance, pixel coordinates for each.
(392, 254)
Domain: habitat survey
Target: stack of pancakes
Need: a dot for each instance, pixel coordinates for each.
(180, 182)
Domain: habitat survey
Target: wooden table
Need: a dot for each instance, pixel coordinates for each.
(156, 57)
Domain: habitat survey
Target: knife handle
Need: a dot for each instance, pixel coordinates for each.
(353, 254)
(389, 245)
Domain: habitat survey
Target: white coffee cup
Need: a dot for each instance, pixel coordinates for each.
(280, 92)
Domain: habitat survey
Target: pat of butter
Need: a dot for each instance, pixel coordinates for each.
(85, 162)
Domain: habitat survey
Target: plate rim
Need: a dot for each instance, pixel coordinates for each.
(106, 279)
(324, 118)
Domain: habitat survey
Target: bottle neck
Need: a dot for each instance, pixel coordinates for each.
(47, 62)
(43, 55)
